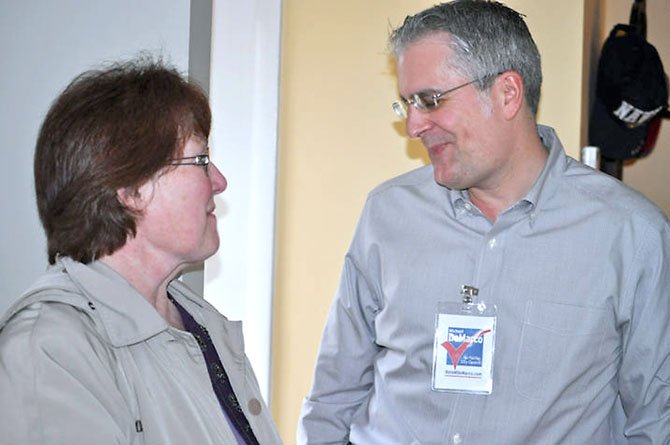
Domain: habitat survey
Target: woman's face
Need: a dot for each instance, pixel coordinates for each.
(177, 225)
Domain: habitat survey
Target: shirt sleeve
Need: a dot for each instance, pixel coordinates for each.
(644, 376)
(57, 384)
(344, 368)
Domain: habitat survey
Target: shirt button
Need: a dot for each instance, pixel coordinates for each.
(492, 243)
(456, 439)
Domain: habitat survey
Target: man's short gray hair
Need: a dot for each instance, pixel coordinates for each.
(487, 38)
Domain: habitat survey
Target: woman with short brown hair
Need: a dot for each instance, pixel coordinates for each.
(107, 347)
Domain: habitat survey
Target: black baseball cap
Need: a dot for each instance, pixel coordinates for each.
(631, 93)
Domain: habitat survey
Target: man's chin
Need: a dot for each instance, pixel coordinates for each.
(443, 179)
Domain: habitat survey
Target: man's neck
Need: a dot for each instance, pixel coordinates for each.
(514, 182)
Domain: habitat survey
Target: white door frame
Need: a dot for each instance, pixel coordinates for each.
(244, 96)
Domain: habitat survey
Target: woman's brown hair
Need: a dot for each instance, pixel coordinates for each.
(110, 129)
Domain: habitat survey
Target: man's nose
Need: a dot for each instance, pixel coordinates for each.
(417, 122)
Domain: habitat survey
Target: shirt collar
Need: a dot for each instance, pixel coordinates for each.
(554, 165)
(460, 203)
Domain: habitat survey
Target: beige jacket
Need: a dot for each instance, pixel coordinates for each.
(85, 359)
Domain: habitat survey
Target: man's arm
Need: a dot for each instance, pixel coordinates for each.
(644, 377)
(344, 370)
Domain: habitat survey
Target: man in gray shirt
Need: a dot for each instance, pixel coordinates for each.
(562, 332)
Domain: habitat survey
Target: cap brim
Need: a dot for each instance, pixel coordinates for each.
(653, 130)
(615, 141)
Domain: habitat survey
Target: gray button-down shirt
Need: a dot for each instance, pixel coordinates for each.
(579, 271)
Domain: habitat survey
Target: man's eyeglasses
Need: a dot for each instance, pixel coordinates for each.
(198, 160)
(427, 100)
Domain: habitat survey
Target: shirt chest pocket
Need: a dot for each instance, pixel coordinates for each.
(562, 350)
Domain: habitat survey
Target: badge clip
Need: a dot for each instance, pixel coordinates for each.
(468, 293)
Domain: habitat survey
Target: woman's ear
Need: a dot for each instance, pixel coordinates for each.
(131, 198)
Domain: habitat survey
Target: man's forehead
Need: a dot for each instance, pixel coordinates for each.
(425, 64)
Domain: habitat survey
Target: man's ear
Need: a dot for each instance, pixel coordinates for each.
(511, 93)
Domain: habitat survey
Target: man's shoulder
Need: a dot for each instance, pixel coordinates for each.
(602, 190)
(419, 177)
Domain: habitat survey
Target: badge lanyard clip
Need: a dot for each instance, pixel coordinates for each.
(468, 292)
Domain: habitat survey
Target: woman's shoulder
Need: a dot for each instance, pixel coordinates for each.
(53, 357)
(51, 328)
(53, 287)
(51, 317)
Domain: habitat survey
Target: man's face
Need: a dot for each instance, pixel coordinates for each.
(462, 135)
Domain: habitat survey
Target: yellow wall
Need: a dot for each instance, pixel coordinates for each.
(339, 138)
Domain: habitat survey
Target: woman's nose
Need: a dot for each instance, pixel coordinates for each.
(219, 182)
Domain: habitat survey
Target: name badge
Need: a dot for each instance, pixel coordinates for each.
(464, 347)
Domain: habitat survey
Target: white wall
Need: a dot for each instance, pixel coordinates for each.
(43, 45)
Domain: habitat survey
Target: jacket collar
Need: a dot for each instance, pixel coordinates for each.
(128, 318)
